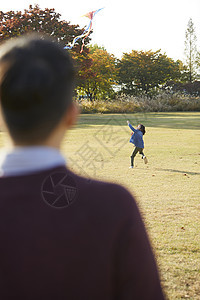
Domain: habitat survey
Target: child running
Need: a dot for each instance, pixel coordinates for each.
(137, 140)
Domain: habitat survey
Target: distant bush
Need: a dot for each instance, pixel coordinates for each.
(164, 102)
(189, 88)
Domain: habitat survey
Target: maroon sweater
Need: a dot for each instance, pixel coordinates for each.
(67, 237)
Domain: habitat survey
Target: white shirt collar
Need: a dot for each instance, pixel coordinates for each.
(26, 160)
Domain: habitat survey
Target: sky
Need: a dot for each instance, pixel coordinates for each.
(126, 25)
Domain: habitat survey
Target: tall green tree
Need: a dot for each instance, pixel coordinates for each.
(191, 52)
(198, 66)
(143, 71)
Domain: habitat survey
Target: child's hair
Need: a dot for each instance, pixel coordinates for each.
(142, 128)
(36, 86)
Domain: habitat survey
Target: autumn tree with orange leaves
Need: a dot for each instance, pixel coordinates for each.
(48, 22)
(97, 77)
(34, 19)
(95, 66)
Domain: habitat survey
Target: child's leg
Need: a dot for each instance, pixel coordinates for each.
(141, 152)
(143, 156)
(135, 151)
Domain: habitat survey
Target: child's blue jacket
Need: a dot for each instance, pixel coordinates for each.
(137, 137)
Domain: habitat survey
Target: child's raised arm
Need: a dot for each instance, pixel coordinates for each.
(131, 127)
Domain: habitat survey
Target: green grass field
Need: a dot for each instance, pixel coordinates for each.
(167, 189)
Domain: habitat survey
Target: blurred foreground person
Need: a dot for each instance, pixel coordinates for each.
(62, 236)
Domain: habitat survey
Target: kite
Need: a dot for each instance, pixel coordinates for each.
(86, 32)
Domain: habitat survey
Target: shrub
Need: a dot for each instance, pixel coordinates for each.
(163, 102)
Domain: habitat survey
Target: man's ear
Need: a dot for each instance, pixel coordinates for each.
(2, 121)
(71, 115)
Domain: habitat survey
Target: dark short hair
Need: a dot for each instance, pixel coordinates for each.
(142, 128)
(36, 86)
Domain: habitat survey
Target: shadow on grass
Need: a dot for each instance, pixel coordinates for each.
(158, 120)
(178, 171)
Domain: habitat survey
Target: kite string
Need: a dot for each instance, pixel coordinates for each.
(83, 35)
(83, 42)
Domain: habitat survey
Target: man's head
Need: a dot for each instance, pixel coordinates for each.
(36, 86)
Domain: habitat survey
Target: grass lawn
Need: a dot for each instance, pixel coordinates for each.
(167, 189)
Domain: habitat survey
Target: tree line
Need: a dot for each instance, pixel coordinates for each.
(99, 73)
